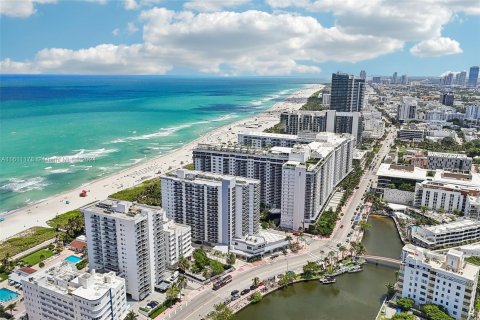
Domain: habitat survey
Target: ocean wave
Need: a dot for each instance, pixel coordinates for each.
(225, 117)
(81, 155)
(65, 170)
(24, 185)
(135, 161)
(163, 132)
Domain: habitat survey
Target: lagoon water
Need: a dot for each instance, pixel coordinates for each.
(59, 132)
(354, 296)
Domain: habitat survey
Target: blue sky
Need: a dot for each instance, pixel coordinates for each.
(239, 37)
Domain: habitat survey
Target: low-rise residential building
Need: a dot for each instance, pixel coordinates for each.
(446, 235)
(446, 280)
(449, 161)
(178, 242)
(449, 197)
(62, 292)
(127, 238)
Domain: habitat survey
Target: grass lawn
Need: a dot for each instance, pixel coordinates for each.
(3, 276)
(148, 193)
(62, 220)
(36, 257)
(26, 240)
(157, 311)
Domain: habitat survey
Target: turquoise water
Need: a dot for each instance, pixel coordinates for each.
(59, 132)
(73, 259)
(7, 295)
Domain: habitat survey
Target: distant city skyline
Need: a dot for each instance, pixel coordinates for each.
(239, 37)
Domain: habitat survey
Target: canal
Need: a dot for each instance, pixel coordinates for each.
(354, 296)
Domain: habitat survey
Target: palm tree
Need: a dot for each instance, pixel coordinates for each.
(182, 282)
(183, 264)
(364, 225)
(131, 315)
(342, 250)
(172, 292)
(255, 281)
(331, 254)
(361, 249)
(11, 307)
(326, 261)
(390, 290)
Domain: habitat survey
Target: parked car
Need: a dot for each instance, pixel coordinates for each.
(245, 291)
(234, 293)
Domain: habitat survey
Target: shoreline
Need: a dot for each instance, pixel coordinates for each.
(38, 213)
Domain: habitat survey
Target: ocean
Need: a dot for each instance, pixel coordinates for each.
(59, 132)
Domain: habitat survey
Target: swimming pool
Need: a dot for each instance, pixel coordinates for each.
(73, 259)
(7, 295)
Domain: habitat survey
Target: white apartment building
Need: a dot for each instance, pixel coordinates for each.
(326, 99)
(449, 161)
(373, 125)
(446, 196)
(297, 180)
(295, 122)
(472, 112)
(449, 234)
(61, 292)
(178, 242)
(265, 140)
(216, 207)
(127, 238)
(446, 280)
(407, 109)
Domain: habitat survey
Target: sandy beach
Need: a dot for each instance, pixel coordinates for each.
(38, 214)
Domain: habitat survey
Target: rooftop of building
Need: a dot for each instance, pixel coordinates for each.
(125, 210)
(458, 225)
(65, 278)
(438, 176)
(207, 178)
(447, 155)
(438, 261)
(263, 237)
(269, 135)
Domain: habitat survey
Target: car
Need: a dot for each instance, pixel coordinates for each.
(341, 226)
(253, 287)
(245, 291)
(235, 297)
(261, 283)
(234, 293)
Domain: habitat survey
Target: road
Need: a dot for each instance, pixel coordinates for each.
(201, 303)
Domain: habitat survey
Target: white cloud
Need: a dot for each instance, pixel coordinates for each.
(131, 28)
(251, 42)
(436, 47)
(212, 5)
(116, 32)
(406, 20)
(20, 8)
(137, 4)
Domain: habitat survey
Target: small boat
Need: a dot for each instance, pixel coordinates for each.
(355, 269)
(328, 280)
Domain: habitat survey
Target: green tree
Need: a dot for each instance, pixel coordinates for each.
(403, 316)
(131, 315)
(41, 264)
(310, 269)
(256, 297)
(434, 312)
(11, 307)
(183, 264)
(287, 278)
(221, 312)
(231, 258)
(200, 257)
(217, 267)
(255, 281)
(182, 282)
(405, 303)
(390, 290)
(172, 293)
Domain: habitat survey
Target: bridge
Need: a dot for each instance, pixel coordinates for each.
(389, 262)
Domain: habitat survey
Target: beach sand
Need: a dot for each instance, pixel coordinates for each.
(38, 214)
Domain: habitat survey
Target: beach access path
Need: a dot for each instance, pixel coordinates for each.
(38, 214)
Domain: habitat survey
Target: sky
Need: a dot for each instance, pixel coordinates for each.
(239, 37)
